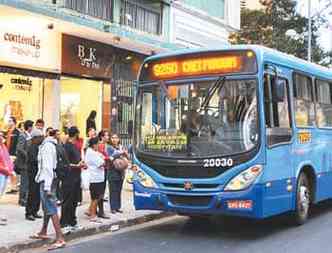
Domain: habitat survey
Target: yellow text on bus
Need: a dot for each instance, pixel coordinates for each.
(198, 66)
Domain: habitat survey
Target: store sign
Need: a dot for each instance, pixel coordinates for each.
(24, 45)
(85, 57)
(19, 83)
(28, 46)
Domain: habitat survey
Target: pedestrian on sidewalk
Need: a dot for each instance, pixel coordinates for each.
(33, 203)
(47, 162)
(24, 141)
(47, 131)
(104, 138)
(62, 168)
(71, 185)
(91, 121)
(91, 134)
(11, 143)
(95, 162)
(40, 124)
(118, 156)
(6, 169)
(79, 142)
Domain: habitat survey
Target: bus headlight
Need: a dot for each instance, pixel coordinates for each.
(143, 178)
(244, 179)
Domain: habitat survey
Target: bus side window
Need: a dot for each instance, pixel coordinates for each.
(303, 102)
(277, 115)
(324, 103)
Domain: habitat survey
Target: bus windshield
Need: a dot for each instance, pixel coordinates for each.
(197, 119)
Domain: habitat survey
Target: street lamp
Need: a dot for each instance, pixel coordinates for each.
(309, 31)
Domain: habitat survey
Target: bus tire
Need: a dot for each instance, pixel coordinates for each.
(303, 199)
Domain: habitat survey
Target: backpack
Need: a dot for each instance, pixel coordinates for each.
(62, 163)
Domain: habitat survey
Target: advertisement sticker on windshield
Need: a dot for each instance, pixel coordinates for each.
(304, 137)
(169, 142)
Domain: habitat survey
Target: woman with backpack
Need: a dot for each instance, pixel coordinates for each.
(119, 157)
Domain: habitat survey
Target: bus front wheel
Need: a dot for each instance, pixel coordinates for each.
(303, 197)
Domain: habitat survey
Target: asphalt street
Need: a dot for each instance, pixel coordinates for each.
(217, 234)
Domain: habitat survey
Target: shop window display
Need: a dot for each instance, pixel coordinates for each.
(78, 98)
(21, 97)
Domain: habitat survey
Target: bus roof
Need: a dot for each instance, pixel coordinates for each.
(263, 53)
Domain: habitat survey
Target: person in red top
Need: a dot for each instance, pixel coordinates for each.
(104, 137)
(6, 170)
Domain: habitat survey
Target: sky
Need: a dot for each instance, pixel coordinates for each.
(319, 6)
(253, 4)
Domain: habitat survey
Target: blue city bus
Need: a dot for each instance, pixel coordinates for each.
(243, 131)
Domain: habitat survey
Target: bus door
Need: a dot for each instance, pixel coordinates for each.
(278, 170)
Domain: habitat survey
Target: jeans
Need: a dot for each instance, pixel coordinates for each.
(71, 189)
(48, 201)
(33, 203)
(3, 183)
(115, 194)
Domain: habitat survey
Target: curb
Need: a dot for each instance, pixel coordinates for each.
(30, 244)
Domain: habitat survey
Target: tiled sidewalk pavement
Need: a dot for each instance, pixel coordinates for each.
(15, 235)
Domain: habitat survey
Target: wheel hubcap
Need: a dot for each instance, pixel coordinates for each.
(304, 199)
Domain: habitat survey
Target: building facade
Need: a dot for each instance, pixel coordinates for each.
(61, 59)
(194, 23)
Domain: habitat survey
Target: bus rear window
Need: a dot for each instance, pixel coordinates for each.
(200, 64)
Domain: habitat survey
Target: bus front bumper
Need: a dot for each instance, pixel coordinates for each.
(247, 203)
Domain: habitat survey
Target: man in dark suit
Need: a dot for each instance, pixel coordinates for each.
(21, 161)
(11, 143)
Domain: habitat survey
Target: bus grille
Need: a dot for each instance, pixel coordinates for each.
(195, 186)
(179, 200)
(191, 171)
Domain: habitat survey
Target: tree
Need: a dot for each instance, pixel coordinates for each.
(256, 28)
(278, 25)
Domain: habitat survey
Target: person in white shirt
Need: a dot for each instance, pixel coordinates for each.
(47, 162)
(96, 168)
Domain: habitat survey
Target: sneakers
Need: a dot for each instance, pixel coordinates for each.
(66, 230)
(29, 217)
(75, 228)
(71, 229)
(37, 216)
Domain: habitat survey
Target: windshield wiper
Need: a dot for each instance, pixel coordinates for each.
(216, 86)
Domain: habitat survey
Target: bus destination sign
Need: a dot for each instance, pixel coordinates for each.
(200, 64)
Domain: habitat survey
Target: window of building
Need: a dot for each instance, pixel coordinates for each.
(96, 8)
(142, 15)
(215, 8)
(324, 103)
(303, 102)
(21, 97)
(78, 98)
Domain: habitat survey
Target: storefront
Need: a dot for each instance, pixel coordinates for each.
(96, 76)
(29, 69)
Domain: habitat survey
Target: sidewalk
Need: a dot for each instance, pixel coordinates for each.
(15, 236)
